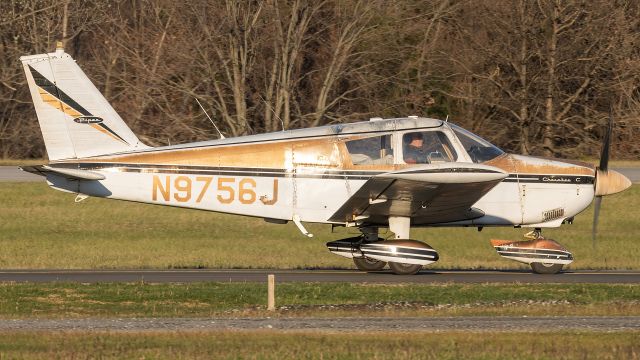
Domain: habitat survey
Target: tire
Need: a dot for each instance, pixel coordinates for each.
(367, 264)
(404, 269)
(542, 268)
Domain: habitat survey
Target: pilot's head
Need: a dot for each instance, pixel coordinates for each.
(416, 139)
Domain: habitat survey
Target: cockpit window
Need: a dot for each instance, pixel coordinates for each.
(375, 150)
(479, 149)
(427, 147)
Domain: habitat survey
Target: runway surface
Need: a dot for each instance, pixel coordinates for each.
(353, 276)
(462, 323)
(12, 173)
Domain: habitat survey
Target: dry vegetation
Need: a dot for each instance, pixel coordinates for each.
(535, 77)
(301, 345)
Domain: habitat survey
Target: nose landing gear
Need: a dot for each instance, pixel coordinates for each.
(545, 256)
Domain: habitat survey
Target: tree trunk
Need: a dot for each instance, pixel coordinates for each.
(547, 132)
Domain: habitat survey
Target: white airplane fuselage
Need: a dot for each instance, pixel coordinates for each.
(307, 173)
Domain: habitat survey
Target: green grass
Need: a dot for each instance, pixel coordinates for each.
(66, 300)
(44, 228)
(300, 345)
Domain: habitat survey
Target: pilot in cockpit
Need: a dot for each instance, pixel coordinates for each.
(414, 152)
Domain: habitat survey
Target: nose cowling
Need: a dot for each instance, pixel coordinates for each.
(610, 182)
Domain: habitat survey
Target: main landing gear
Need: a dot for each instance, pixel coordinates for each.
(371, 253)
(545, 256)
(404, 257)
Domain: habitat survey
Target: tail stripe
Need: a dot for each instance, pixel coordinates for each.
(57, 98)
(52, 89)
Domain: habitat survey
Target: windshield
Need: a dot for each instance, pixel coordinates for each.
(479, 149)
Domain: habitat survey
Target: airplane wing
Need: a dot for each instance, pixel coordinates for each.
(72, 174)
(429, 194)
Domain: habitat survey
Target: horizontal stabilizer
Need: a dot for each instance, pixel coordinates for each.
(73, 174)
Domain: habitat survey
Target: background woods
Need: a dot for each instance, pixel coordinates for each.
(535, 77)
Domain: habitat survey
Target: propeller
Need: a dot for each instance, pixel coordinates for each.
(607, 181)
(602, 170)
(596, 214)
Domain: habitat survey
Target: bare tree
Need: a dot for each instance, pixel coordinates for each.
(536, 77)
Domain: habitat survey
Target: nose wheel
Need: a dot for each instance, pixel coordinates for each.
(544, 256)
(545, 268)
(542, 267)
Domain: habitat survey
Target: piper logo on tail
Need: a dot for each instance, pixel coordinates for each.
(88, 120)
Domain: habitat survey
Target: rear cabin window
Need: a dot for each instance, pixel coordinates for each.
(427, 147)
(375, 150)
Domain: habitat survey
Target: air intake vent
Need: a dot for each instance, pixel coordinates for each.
(552, 214)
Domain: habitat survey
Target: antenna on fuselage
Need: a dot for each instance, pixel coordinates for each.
(273, 111)
(208, 117)
(447, 118)
(281, 122)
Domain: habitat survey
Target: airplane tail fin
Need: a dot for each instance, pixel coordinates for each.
(75, 119)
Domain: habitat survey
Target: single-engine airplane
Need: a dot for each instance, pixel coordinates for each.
(396, 173)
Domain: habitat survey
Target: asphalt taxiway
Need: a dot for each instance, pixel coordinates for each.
(351, 276)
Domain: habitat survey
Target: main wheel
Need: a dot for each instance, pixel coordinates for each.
(367, 264)
(404, 269)
(543, 268)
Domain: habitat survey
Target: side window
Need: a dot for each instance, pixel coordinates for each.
(375, 150)
(427, 147)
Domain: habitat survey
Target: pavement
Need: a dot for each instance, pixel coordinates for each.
(351, 276)
(12, 173)
(632, 173)
(385, 324)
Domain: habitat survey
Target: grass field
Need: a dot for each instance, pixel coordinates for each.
(44, 228)
(67, 300)
(297, 345)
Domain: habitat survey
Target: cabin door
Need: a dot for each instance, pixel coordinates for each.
(318, 182)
